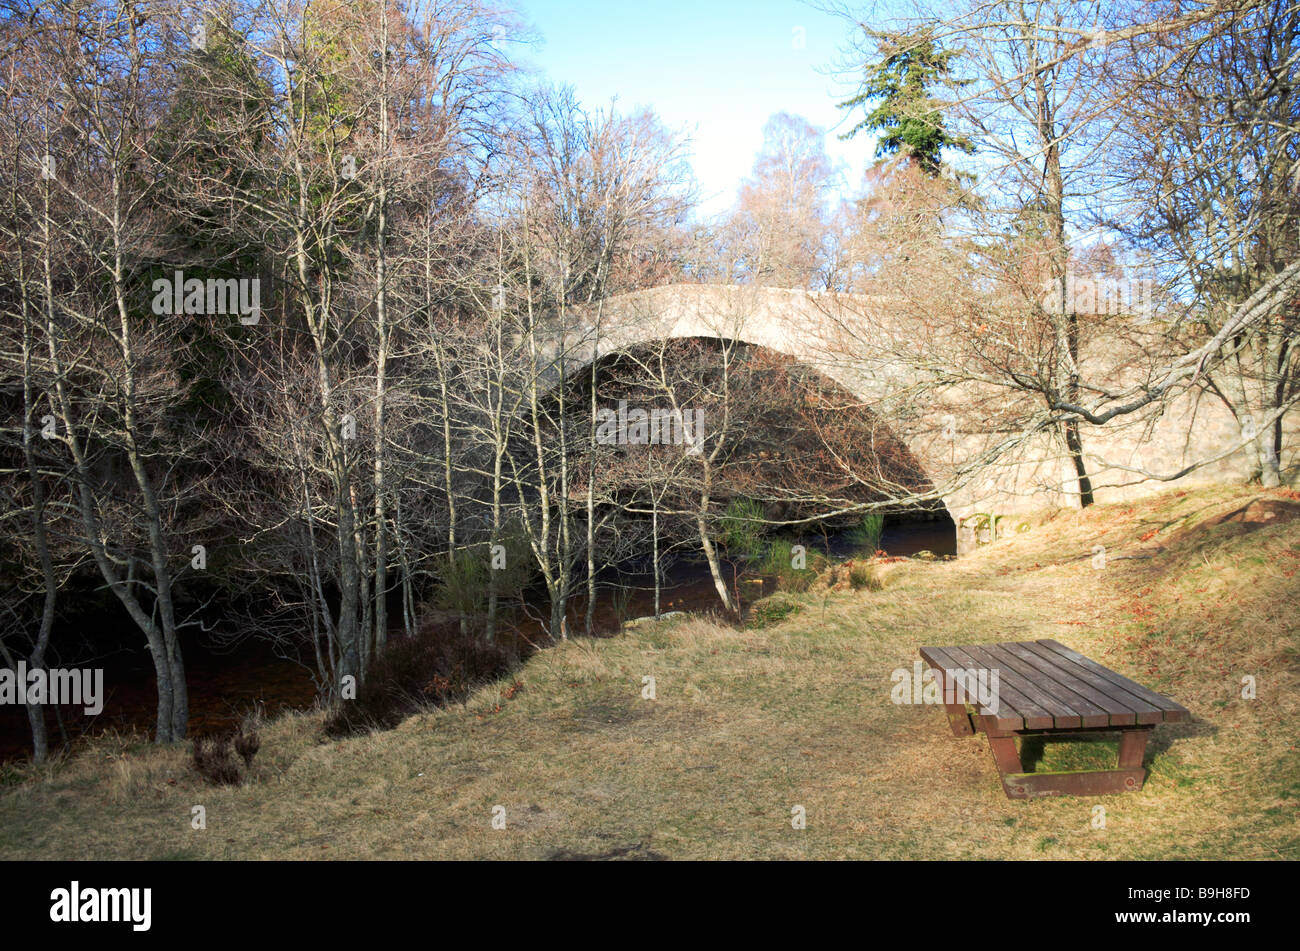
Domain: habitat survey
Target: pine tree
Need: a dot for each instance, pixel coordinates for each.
(908, 118)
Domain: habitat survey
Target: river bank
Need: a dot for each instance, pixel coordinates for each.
(226, 684)
(1197, 592)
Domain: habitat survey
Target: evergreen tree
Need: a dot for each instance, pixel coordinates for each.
(908, 119)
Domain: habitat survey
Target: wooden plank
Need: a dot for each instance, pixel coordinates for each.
(1007, 718)
(1172, 711)
(1091, 704)
(936, 657)
(1118, 701)
(1034, 716)
(957, 659)
(1124, 708)
(939, 660)
(1086, 782)
(1037, 688)
(970, 658)
(958, 720)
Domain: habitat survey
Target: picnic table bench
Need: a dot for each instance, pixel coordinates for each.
(1046, 689)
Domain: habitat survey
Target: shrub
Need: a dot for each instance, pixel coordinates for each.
(863, 575)
(797, 581)
(462, 582)
(464, 576)
(436, 667)
(742, 528)
(247, 742)
(778, 562)
(868, 531)
(620, 599)
(516, 568)
(772, 610)
(213, 760)
(217, 758)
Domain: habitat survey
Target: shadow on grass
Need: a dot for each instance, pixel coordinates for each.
(1100, 750)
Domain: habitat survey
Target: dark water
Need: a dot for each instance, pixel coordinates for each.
(224, 686)
(906, 538)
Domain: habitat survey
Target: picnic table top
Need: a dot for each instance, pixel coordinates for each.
(1043, 685)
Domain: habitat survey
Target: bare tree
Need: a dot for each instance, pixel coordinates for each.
(90, 185)
(777, 232)
(1045, 102)
(1208, 160)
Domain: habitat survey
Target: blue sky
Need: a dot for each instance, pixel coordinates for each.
(713, 68)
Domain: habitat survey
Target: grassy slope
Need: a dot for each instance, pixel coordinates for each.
(748, 724)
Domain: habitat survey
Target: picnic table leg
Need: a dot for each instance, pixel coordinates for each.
(1005, 753)
(1018, 784)
(1132, 747)
(959, 721)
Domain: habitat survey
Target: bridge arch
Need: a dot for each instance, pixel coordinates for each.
(833, 334)
(800, 325)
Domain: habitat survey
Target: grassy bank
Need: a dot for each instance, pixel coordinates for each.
(748, 724)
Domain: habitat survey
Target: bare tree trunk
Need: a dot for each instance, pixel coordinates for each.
(654, 531)
(40, 534)
(381, 351)
(1066, 320)
(591, 504)
(711, 555)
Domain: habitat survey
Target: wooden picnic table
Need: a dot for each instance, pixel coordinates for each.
(1046, 689)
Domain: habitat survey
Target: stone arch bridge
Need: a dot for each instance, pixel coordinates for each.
(954, 435)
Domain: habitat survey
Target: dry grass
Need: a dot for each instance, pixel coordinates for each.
(750, 723)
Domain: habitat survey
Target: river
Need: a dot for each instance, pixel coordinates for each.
(224, 685)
